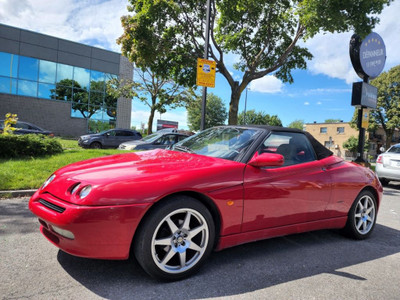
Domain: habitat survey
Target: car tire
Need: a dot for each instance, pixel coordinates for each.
(95, 145)
(175, 239)
(384, 181)
(362, 216)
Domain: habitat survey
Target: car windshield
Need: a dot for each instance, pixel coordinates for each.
(221, 142)
(151, 138)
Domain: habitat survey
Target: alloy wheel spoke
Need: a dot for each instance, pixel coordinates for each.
(187, 221)
(195, 247)
(369, 210)
(360, 222)
(168, 257)
(196, 230)
(172, 226)
(182, 259)
(163, 242)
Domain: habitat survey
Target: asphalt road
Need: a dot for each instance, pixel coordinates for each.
(317, 265)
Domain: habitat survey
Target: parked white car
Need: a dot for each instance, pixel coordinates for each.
(388, 165)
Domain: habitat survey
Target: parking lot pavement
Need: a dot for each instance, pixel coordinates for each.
(316, 265)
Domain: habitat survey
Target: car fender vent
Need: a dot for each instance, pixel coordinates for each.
(52, 206)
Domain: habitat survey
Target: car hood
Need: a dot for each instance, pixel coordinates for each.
(134, 142)
(90, 135)
(143, 177)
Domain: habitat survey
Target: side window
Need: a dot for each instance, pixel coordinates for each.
(294, 147)
(181, 137)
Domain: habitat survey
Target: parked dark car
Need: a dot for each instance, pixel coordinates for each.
(108, 139)
(27, 128)
(156, 140)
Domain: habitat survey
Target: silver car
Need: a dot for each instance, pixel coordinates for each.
(388, 165)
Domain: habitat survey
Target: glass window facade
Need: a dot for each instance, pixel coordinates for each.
(84, 88)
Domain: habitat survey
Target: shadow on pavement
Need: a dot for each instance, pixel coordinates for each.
(240, 269)
(10, 217)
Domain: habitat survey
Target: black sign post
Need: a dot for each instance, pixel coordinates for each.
(368, 57)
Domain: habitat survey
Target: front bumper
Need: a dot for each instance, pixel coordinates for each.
(103, 232)
(84, 143)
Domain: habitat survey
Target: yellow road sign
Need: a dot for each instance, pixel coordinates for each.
(365, 118)
(205, 72)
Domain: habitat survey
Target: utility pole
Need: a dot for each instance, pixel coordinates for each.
(204, 98)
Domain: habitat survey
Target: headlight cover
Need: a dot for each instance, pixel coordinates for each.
(50, 179)
(85, 191)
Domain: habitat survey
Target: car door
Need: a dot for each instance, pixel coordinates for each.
(297, 192)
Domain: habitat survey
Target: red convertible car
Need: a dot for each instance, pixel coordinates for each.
(222, 187)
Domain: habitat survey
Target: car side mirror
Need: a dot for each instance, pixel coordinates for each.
(267, 160)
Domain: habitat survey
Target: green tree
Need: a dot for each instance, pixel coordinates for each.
(216, 112)
(333, 121)
(155, 91)
(169, 35)
(352, 144)
(258, 118)
(387, 112)
(299, 124)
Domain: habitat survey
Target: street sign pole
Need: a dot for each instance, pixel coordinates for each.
(204, 98)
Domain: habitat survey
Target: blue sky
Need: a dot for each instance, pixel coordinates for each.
(321, 92)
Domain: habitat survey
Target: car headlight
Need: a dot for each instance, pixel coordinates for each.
(46, 183)
(85, 137)
(85, 191)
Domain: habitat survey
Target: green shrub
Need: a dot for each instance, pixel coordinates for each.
(31, 145)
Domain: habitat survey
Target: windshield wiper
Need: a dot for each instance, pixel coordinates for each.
(183, 148)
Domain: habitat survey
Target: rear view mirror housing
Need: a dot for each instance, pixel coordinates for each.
(267, 160)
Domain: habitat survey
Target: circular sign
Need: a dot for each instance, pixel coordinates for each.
(372, 55)
(368, 56)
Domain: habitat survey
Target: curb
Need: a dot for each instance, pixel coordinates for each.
(16, 194)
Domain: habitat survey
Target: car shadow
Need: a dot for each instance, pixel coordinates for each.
(240, 269)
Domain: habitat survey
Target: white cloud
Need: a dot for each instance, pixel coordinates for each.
(331, 51)
(306, 103)
(267, 84)
(91, 22)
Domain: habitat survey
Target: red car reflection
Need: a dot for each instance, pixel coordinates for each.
(222, 187)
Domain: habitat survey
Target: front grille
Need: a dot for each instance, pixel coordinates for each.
(52, 206)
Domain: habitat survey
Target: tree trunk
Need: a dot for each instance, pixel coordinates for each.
(389, 136)
(150, 122)
(234, 104)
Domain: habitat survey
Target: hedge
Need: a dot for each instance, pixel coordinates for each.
(28, 145)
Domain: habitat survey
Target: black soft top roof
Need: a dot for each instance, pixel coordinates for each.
(320, 150)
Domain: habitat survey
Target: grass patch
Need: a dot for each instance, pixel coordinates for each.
(30, 173)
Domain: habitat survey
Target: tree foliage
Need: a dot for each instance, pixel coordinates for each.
(387, 112)
(155, 91)
(168, 35)
(216, 112)
(9, 124)
(333, 121)
(351, 144)
(299, 124)
(258, 118)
